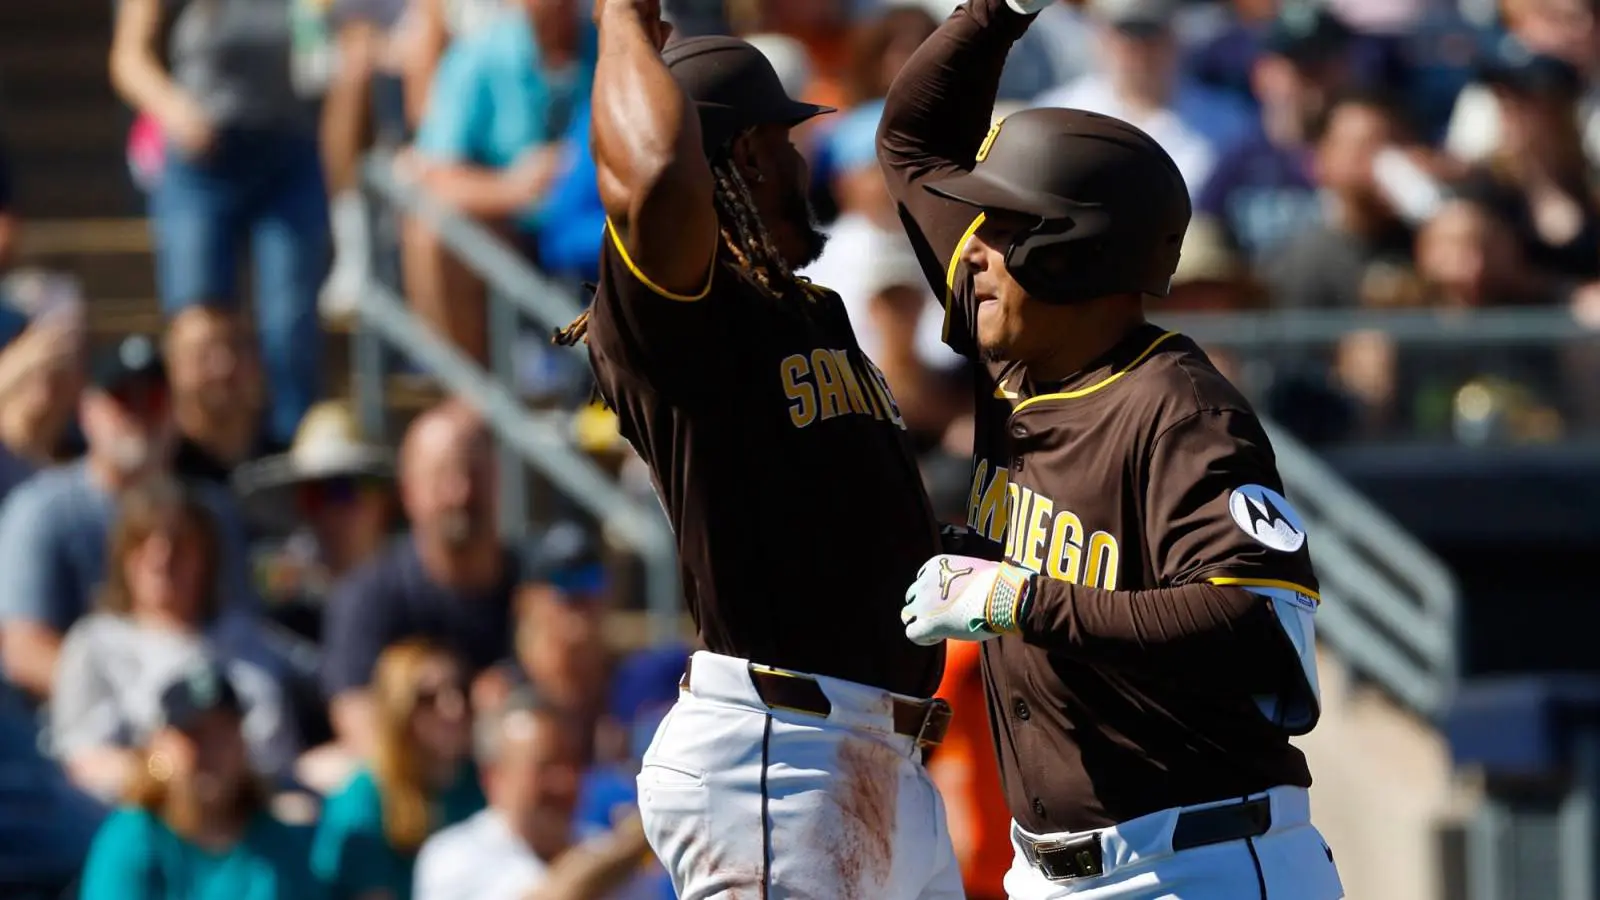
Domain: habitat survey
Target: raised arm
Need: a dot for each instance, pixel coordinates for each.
(937, 114)
(655, 182)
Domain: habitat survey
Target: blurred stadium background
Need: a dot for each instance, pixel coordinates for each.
(1396, 253)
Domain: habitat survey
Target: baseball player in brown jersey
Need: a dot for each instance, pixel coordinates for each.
(1148, 604)
(791, 765)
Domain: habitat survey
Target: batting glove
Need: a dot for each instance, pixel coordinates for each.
(964, 598)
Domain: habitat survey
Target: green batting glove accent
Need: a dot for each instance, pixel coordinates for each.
(1003, 610)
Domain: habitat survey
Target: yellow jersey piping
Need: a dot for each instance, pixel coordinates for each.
(1108, 380)
(616, 241)
(950, 271)
(1266, 583)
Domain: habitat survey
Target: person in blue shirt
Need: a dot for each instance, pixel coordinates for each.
(492, 142)
(196, 826)
(421, 778)
(568, 225)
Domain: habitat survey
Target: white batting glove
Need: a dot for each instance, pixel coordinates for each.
(964, 598)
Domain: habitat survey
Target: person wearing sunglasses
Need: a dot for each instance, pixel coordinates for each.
(54, 526)
(420, 778)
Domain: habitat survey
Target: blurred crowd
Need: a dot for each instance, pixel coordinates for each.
(241, 644)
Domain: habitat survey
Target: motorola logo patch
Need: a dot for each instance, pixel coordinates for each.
(1267, 517)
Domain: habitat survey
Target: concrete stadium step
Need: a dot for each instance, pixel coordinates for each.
(65, 127)
(110, 258)
(1382, 786)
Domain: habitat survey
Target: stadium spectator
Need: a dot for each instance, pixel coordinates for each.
(526, 843)
(46, 823)
(425, 31)
(1562, 29)
(1361, 249)
(561, 642)
(870, 263)
(1467, 258)
(451, 579)
(1539, 178)
(560, 649)
(494, 142)
(1057, 48)
(41, 376)
(54, 527)
(418, 780)
(1143, 85)
(241, 163)
(821, 26)
(364, 108)
(332, 492)
(1262, 191)
(196, 822)
(158, 617)
(217, 394)
(879, 48)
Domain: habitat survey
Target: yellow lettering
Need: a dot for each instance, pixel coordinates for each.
(830, 387)
(976, 494)
(803, 411)
(1104, 555)
(885, 396)
(1038, 532)
(1065, 560)
(991, 517)
(1020, 498)
(852, 386)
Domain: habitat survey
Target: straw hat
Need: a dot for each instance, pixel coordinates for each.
(328, 444)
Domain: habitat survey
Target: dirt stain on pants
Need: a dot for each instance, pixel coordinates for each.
(867, 794)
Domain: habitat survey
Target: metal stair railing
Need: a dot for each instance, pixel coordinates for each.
(1389, 605)
(537, 440)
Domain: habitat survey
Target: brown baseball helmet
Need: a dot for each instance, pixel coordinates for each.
(1108, 205)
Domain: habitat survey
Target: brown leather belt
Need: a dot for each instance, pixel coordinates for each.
(1068, 859)
(925, 720)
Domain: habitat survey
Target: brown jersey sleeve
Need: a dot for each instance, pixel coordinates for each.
(935, 120)
(670, 341)
(1215, 511)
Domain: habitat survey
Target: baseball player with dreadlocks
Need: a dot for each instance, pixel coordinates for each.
(790, 766)
(1147, 597)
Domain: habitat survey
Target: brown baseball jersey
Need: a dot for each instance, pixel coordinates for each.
(1143, 492)
(783, 464)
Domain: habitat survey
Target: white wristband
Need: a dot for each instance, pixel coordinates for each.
(1028, 7)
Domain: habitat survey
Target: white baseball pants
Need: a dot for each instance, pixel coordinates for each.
(743, 802)
(1290, 861)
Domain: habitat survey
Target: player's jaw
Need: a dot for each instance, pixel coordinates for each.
(783, 196)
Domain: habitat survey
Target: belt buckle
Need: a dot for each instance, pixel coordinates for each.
(1080, 857)
(937, 707)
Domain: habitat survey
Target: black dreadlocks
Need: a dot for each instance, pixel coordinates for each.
(748, 242)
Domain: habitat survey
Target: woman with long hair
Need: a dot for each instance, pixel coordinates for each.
(420, 778)
(159, 614)
(195, 823)
(1539, 178)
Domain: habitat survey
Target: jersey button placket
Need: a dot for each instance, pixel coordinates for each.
(1019, 432)
(1019, 708)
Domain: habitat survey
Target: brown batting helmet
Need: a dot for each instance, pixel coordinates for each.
(1108, 205)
